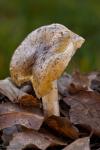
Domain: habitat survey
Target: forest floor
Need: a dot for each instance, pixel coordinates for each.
(24, 127)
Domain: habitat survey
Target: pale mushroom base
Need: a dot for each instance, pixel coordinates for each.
(50, 102)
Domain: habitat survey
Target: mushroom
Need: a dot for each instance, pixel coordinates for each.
(41, 58)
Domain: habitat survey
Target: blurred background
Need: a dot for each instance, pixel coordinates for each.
(20, 17)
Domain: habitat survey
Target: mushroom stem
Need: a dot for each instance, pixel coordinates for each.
(50, 101)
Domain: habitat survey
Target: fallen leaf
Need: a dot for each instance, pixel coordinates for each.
(94, 78)
(62, 126)
(28, 100)
(7, 133)
(80, 144)
(79, 82)
(85, 109)
(29, 120)
(16, 95)
(54, 137)
(63, 84)
(95, 85)
(39, 140)
(12, 107)
(9, 107)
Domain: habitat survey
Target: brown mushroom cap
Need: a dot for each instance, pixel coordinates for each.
(43, 56)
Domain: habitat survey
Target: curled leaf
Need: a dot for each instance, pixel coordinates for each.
(16, 95)
(62, 126)
(78, 83)
(29, 120)
(33, 138)
(85, 109)
(63, 84)
(80, 144)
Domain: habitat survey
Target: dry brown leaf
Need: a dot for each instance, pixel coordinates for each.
(11, 107)
(7, 133)
(29, 120)
(54, 137)
(85, 109)
(14, 94)
(79, 82)
(94, 77)
(23, 139)
(95, 85)
(63, 84)
(80, 144)
(28, 100)
(62, 126)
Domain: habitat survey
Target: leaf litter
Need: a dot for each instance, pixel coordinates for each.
(23, 126)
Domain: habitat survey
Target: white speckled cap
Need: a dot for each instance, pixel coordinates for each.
(43, 56)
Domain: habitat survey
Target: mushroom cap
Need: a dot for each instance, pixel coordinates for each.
(43, 56)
